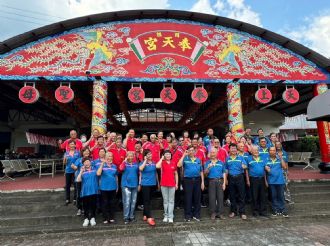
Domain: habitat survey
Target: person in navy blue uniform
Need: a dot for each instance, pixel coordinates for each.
(147, 183)
(193, 183)
(85, 153)
(69, 159)
(274, 167)
(256, 178)
(216, 172)
(108, 186)
(235, 166)
(89, 190)
(263, 149)
(129, 186)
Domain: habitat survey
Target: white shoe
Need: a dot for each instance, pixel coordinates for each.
(165, 220)
(93, 222)
(170, 220)
(86, 223)
(79, 212)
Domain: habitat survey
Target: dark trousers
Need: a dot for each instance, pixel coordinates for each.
(216, 196)
(278, 202)
(108, 204)
(192, 197)
(146, 197)
(237, 194)
(78, 191)
(89, 204)
(258, 192)
(69, 178)
(178, 192)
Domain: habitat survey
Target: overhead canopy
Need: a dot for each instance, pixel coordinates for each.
(319, 107)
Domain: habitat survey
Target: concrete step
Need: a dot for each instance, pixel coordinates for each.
(311, 196)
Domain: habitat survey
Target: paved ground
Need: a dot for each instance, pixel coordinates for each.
(281, 234)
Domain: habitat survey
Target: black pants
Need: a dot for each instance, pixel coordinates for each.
(258, 189)
(216, 196)
(178, 192)
(69, 178)
(108, 204)
(146, 197)
(192, 197)
(78, 191)
(237, 194)
(89, 204)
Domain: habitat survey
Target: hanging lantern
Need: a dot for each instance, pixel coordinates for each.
(64, 93)
(291, 95)
(136, 93)
(199, 94)
(28, 94)
(168, 94)
(263, 95)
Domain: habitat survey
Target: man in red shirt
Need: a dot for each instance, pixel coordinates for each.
(138, 155)
(176, 151)
(200, 154)
(119, 153)
(130, 140)
(73, 136)
(96, 148)
(154, 147)
(222, 153)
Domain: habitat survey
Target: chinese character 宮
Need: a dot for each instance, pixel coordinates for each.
(151, 42)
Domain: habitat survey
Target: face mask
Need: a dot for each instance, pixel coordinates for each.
(83, 139)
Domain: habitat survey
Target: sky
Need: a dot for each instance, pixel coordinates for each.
(304, 21)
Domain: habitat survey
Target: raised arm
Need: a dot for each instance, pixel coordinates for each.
(99, 171)
(159, 163)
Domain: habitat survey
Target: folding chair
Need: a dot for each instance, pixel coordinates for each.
(7, 169)
(305, 158)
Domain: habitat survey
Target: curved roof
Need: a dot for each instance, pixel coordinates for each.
(66, 25)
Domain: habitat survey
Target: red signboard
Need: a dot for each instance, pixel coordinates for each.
(136, 94)
(199, 95)
(28, 94)
(64, 94)
(291, 95)
(168, 95)
(263, 96)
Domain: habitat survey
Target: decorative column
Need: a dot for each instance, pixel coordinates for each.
(323, 128)
(99, 110)
(235, 115)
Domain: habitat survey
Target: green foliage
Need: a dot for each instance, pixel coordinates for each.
(309, 144)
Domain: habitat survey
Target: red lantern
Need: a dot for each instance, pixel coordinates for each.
(263, 95)
(199, 94)
(28, 94)
(291, 95)
(64, 94)
(168, 94)
(136, 94)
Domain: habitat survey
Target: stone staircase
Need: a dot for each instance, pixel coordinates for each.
(44, 212)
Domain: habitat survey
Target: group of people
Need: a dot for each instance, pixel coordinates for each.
(106, 167)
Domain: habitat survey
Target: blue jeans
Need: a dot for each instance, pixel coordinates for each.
(278, 202)
(129, 202)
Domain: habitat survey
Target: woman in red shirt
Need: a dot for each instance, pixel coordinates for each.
(168, 183)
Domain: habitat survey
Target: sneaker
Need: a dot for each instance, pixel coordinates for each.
(86, 223)
(105, 222)
(243, 216)
(170, 220)
(79, 212)
(112, 221)
(232, 215)
(93, 222)
(144, 218)
(203, 206)
(285, 215)
(126, 221)
(274, 214)
(187, 220)
(140, 207)
(196, 219)
(151, 222)
(165, 220)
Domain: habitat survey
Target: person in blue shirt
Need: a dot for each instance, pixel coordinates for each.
(69, 159)
(207, 138)
(129, 186)
(235, 166)
(263, 149)
(256, 178)
(260, 135)
(85, 153)
(107, 172)
(89, 184)
(272, 140)
(148, 181)
(193, 183)
(216, 172)
(274, 167)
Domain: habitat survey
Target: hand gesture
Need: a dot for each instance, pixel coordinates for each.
(82, 169)
(280, 154)
(223, 186)
(202, 186)
(244, 166)
(60, 141)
